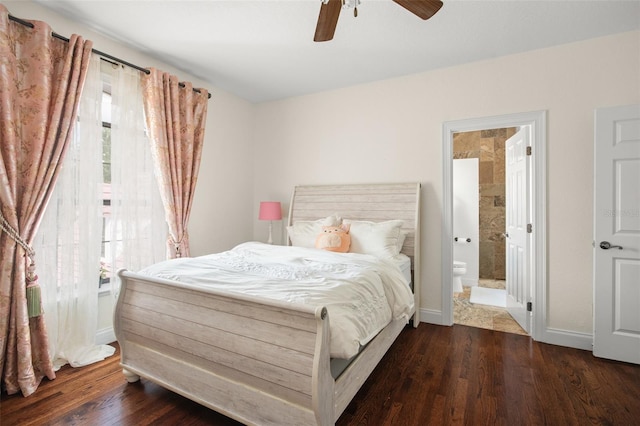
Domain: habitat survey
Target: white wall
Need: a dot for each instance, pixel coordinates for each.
(392, 131)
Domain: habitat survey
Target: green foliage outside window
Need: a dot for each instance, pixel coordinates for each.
(106, 152)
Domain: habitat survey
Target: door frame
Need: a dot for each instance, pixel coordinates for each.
(537, 122)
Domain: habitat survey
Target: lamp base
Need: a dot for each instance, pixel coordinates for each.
(270, 240)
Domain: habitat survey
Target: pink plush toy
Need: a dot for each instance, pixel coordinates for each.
(334, 238)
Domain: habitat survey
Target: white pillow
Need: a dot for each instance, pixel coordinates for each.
(381, 239)
(401, 238)
(303, 233)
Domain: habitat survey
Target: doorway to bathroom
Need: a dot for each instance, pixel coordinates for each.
(483, 141)
(480, 229)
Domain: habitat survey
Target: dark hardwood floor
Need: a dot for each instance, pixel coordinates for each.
(433, 375)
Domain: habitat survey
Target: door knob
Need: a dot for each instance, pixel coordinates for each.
(606, 245)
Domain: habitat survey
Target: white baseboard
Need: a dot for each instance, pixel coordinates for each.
(431, 316)
(105, 336)
(570, 339)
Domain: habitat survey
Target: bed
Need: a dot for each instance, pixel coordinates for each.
(260, 360)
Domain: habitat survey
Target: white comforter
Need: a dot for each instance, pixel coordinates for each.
(361, 292)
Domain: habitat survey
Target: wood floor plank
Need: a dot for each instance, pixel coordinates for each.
(432, 375)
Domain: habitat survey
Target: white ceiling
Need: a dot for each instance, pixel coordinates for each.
(263, 50)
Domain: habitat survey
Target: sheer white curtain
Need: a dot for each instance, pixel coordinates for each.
(69, 244)
(69, 239)
(137, 224)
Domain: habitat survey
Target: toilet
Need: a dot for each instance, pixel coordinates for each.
(459, 269)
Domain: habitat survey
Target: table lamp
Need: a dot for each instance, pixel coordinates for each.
(270, 210)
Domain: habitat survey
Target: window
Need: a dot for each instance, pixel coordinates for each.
(105, 263)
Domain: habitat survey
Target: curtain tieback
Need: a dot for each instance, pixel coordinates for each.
(176, 244)
(34, 306)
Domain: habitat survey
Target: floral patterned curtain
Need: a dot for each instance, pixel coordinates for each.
(41, 81)
(176, 119)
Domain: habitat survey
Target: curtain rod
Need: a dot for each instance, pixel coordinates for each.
(106, 55)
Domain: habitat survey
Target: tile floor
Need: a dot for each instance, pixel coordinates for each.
(483, 316)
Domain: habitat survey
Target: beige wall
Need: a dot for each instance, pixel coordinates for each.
(392, 131)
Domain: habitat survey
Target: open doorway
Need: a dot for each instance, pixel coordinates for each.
(534, 300)
(479, 229)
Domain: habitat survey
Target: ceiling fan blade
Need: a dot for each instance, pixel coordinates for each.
(425, 9)
(327, 20)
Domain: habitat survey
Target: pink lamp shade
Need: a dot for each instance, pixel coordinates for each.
(270, 210)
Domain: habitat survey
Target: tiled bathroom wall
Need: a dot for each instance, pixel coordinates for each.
(488, 147)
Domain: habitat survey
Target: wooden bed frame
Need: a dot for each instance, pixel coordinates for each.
(259, 361)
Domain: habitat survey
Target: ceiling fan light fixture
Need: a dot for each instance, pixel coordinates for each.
(349, 4)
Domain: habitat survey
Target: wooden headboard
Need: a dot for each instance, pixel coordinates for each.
(371, 202)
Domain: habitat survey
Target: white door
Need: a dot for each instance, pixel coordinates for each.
(517, 236)
(616, 330)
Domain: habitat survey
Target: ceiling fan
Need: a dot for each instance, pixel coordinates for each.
(330, 11)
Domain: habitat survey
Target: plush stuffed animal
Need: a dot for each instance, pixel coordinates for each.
(334, 238)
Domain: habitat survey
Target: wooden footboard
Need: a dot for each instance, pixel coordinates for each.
(255, 360)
